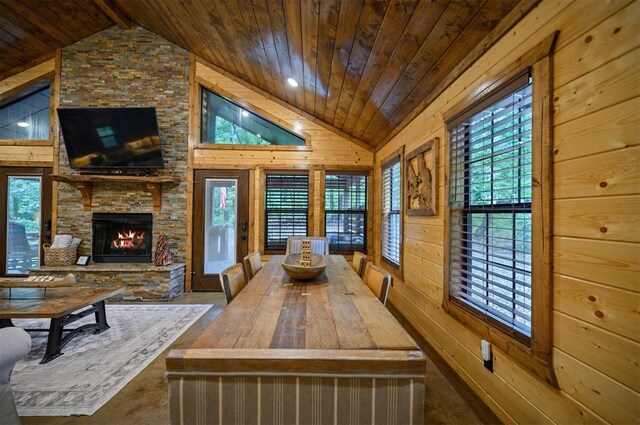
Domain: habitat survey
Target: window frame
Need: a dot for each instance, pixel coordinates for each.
(28, 82)
(537, 354)
(263, 215)
(367, 215)
(202, 85)
(388, 264)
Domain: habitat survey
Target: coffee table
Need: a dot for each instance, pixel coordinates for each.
(62, 306)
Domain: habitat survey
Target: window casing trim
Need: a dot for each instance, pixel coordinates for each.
(203, 84)
(367, 213)
(537, 355)
(24, 88)
(307, 171)
(395, 157)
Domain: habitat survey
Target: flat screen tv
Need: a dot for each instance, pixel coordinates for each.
(111, 138)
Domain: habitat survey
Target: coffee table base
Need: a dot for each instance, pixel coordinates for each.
(56, 340)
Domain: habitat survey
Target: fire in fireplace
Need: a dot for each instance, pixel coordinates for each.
(121, 238)
(129, 240)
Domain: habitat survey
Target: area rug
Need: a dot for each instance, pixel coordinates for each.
(95, 367)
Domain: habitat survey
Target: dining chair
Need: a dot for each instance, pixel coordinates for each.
(233, 280)
(379, 281)
(252, 264)
(319, 245)
(358, 263)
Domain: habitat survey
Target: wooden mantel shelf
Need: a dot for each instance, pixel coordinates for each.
(84, 183)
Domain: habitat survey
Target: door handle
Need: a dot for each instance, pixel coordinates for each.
(46, 236)
(244, 227)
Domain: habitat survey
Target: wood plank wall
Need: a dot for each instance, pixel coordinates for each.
(326, 151)
(596, 230)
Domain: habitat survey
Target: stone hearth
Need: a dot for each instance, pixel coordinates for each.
(142, 281)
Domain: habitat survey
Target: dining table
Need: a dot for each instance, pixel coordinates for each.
(283, 351)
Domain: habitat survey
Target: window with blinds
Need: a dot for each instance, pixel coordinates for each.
(346, 212)
(490, 209)
(286, 204)
(391, 212)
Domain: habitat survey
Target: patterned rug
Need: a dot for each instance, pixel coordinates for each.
(95, 367)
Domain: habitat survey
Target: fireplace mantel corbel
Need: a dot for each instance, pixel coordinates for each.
(84, 183)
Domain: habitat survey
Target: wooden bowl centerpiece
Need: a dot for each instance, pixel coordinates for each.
(295, 270)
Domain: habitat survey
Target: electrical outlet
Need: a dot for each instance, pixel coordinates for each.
(487, 356)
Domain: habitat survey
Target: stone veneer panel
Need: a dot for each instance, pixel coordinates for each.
(120, 68)
(142, 282)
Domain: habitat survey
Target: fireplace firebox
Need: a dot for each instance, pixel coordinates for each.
(121, 238)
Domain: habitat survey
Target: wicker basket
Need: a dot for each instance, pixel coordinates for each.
(59, 256)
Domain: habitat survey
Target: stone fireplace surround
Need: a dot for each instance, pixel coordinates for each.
(116, 68)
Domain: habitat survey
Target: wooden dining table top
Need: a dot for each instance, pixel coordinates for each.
(336, 311)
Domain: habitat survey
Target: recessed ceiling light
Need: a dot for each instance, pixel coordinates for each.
(245, 113)
(23, 124)
(292, 82)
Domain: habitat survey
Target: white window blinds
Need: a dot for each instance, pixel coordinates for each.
(391, 211)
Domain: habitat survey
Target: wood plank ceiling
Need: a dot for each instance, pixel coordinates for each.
(364, 67)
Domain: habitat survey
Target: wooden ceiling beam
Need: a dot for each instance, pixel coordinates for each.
(113, 12)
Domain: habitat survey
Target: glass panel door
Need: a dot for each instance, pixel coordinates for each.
(24, 194)
(220, 223)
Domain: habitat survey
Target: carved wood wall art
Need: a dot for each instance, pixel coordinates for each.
(422, 179)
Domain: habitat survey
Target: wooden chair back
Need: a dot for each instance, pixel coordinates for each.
(252, 264)
(379, 281)
(358, 262)
(319, 245)
(233, 280)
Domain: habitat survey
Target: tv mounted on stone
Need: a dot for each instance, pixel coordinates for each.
(118, 140)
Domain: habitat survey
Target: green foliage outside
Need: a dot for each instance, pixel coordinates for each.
(351, 197)
(498, 178)
(227, 133)
(24, 202)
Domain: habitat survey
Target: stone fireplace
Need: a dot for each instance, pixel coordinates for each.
(104, 70)
(121, 238)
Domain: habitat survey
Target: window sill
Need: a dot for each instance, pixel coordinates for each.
(274, 252)
(525, 355)
(25, 142)
(212, 146)
(395, 270)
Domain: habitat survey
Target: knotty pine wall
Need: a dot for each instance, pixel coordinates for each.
(596, 223)
(326, 151)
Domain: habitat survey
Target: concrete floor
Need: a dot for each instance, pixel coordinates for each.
(144, 400)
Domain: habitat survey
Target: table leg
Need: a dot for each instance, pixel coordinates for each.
(101, 317)
(54, 340)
